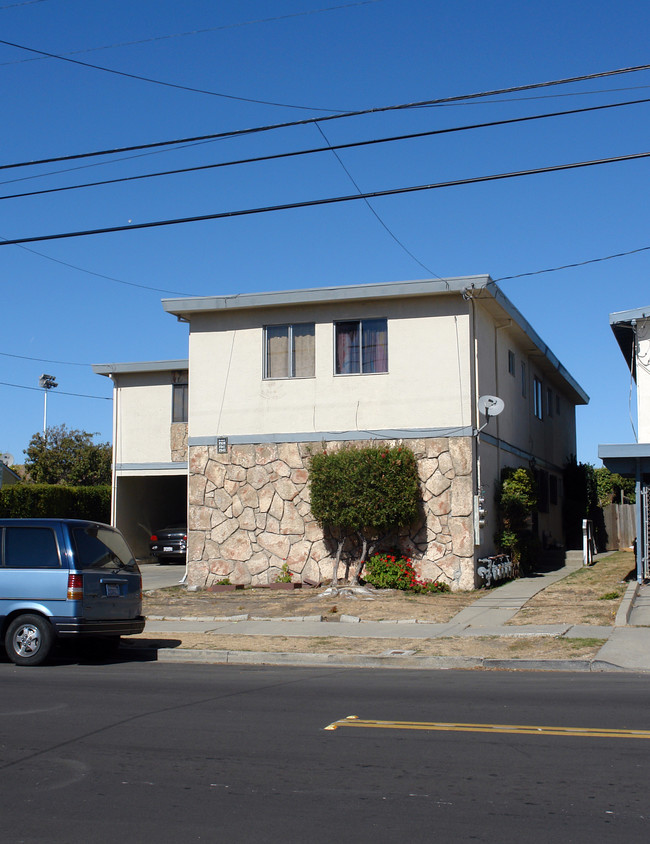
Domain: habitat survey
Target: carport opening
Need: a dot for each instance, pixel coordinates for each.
(147, 504)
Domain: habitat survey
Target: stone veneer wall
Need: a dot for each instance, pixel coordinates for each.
(249, 513)
(178, 441)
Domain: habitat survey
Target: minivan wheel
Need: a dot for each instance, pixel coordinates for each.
(29, 640)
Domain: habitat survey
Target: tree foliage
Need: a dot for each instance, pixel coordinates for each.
(68, 456)
(581, 501)
(614, 488)
(516, 500)
(367, 493)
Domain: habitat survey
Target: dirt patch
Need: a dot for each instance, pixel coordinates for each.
(388, 605)
(539, 647)
(588, 596)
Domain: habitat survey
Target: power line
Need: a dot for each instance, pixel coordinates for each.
(100, 275)
(44, 360)
(316, 150)
(325, 201)
(576, 264)
(158, 81)
(184, 34)
(23, 3)
(306, 121)
(370, 208)
(58, 392)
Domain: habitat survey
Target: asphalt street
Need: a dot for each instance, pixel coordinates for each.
(144, 751)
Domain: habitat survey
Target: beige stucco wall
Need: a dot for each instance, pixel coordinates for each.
(519, 434)
(427, 384)
(143, 405)
(643, 379)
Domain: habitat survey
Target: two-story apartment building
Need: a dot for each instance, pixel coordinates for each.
(632, 332)
(275, 376)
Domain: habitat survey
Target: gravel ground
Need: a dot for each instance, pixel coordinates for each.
(539, 647)
(386, 604)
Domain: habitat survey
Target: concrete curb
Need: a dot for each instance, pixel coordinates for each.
(625, 608)
(427, 663)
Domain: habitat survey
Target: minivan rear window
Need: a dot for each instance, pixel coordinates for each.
(100, 548)
(30, 548)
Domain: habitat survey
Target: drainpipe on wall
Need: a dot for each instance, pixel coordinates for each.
(116, 398)
(467, 295)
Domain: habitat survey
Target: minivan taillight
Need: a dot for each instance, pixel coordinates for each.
(75, 587)
(153, 538)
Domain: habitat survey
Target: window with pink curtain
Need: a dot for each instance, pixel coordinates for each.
(361, 346)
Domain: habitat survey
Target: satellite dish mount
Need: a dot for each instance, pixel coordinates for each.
(489, 406)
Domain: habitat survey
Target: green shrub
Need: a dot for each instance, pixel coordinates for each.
(364, 493)
(55, 501)
(516, 502)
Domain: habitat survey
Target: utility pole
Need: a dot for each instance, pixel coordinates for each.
(47, 382)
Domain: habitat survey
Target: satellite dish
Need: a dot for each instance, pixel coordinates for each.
(7, 459)
(489, 406)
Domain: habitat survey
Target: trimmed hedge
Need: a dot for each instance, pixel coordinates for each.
(56, 501)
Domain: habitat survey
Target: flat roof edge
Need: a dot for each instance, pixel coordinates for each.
(316, 295)
(627, 316)
(139, 366)
(624, 450)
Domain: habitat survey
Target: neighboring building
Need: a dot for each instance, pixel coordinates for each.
(275, 376)
(7, 476)
(632, 332)
(149, 447)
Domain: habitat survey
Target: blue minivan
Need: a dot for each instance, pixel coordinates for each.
(65, 578)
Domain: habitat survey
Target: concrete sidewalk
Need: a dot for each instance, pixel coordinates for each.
(627, 645)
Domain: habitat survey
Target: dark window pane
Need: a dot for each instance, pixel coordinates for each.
(375, 345)
(347, 347)
(99, 548)
(31, 547)
(179, 403)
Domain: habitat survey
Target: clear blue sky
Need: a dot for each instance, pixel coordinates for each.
(323, 57)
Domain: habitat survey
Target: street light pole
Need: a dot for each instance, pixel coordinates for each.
(47, 382)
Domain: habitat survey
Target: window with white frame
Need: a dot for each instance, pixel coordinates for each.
(289, 351)
(361, 346)
(538, 398)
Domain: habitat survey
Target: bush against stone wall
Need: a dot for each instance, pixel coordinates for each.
(249, 513)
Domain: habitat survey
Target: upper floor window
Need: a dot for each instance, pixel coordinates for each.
(289, 351)
(557, 404)
(549, 402)
(524, 389)
(511, 362)
(361, 346)
(538, 398)
(179, 402)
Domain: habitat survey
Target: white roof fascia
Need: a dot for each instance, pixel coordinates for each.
(321, 295)
(142, 366)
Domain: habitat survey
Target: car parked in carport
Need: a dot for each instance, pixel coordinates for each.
(169, 544)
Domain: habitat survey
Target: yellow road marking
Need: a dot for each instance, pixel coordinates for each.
(518, 729)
